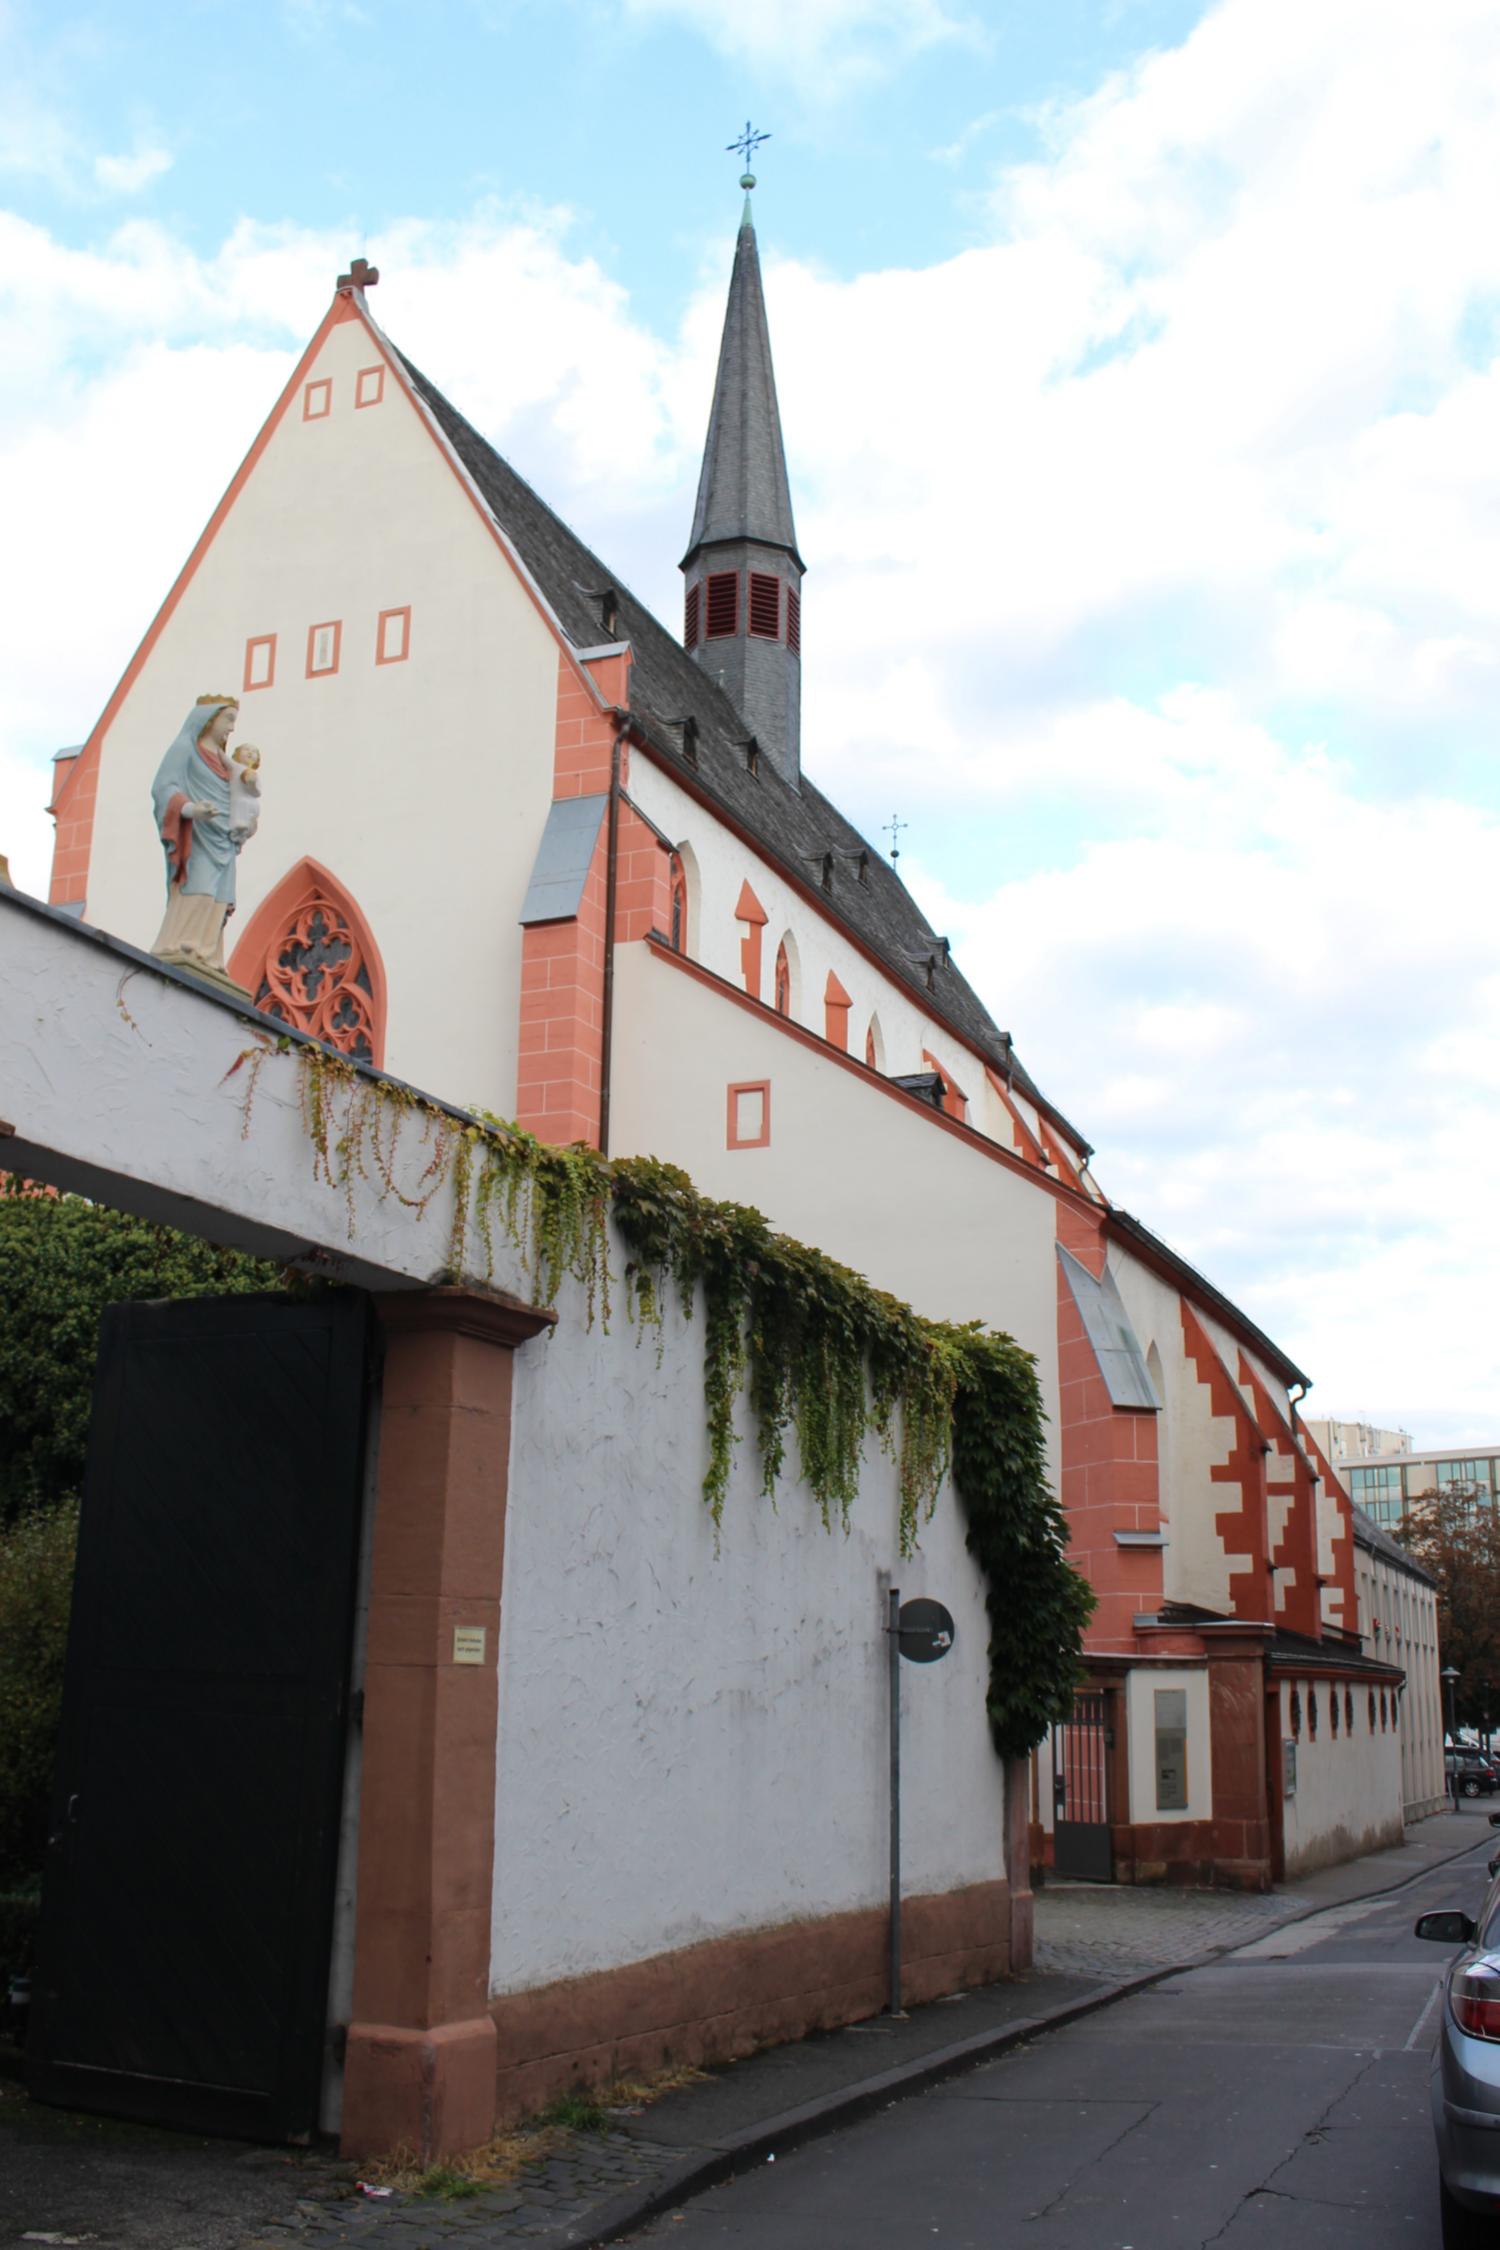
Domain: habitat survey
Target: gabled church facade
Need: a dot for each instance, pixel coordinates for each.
(525, 847)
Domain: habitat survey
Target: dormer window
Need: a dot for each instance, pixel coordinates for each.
(690, 737)
(864, 867)
(765, 606)
(723, 605)
(609, 611)
(752, 757)
(690, 613)
(828, 871)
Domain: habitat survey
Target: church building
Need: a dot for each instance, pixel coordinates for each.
(524, 846)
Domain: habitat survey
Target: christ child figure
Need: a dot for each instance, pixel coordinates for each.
(244, 792)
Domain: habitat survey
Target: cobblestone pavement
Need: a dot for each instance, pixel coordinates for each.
(122, 2188)
(1100, 1930)
(551, 2202)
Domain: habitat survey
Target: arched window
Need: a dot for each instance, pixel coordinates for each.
(1312, 1714)
(308, 958)
(1372, 1710)
(1296, 1716)
(1348, 1710)
(679, 905)
(874, 1045)
(783, 981)
(1333, 1711)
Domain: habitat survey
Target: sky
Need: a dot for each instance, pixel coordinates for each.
(1139, 366)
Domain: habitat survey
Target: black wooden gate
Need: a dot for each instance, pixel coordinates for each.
(188, 1893)
(1080, 1793)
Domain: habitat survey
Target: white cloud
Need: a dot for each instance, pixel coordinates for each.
(1207, 433)
(825, 47)
(127, 175)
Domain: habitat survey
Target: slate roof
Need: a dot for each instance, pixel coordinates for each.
(743, 491)
(795, 828)
(1298, 1653)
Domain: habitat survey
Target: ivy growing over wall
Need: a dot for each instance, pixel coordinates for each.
(817, 1352)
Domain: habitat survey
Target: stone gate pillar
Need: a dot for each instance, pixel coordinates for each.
(420, 2063)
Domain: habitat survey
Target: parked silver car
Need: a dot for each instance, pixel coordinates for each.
(1466, 2073)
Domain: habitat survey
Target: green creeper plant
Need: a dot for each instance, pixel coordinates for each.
(818, 1352)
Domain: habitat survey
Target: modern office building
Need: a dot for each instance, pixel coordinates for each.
(1386, 1487)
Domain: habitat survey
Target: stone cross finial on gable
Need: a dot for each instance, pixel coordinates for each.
(361, 275)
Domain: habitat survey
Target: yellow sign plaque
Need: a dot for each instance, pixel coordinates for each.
(468, 1644)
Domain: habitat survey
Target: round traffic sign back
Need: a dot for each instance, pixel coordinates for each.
(927, 1630)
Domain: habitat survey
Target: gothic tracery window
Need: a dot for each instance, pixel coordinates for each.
(310, 962)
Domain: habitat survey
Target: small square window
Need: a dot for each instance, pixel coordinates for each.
(393, 636)
(750, 1115)
(260, 662)
(369, 386)
(317, 399)
(323, 648)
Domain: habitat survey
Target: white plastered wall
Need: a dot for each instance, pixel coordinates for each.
(1398, 1622)
(873, 1180)
(693, 1742)
(907, 1030)
(1348, 1797)
(422, 786)
(1140, 1704)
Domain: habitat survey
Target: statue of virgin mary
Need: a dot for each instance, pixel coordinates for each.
(191, 795)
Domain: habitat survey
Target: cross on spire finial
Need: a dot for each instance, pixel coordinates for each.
(361, 275)
(745, 147)
(895, 825)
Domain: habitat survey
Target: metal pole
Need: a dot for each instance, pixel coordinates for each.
(893, 1636)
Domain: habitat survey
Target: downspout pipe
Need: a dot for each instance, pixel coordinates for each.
(611, 887)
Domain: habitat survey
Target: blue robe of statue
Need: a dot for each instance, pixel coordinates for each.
(202, 850)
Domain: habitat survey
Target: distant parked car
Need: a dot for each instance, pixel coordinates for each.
(1476, 1776)
(1466, 2075)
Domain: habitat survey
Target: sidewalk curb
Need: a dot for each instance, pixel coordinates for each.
(793, 2128)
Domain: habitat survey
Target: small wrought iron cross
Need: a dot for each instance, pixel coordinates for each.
(747, 144)
(895, 825)
(361, 275)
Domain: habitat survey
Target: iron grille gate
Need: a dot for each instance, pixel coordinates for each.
(1080, 1793)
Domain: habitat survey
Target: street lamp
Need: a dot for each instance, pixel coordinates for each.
(1450, 1676)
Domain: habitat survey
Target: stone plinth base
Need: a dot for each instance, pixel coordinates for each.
(219, 979)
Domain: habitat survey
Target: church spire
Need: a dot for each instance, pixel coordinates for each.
(742, 619)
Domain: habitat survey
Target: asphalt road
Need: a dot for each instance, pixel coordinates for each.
(1276, 2100)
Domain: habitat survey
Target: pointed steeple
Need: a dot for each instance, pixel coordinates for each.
(743, 571)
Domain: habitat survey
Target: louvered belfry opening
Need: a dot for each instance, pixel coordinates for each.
(723, 604)
(765, 605)
(742, 558)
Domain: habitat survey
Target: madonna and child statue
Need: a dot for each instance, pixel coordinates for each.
(207, 802)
